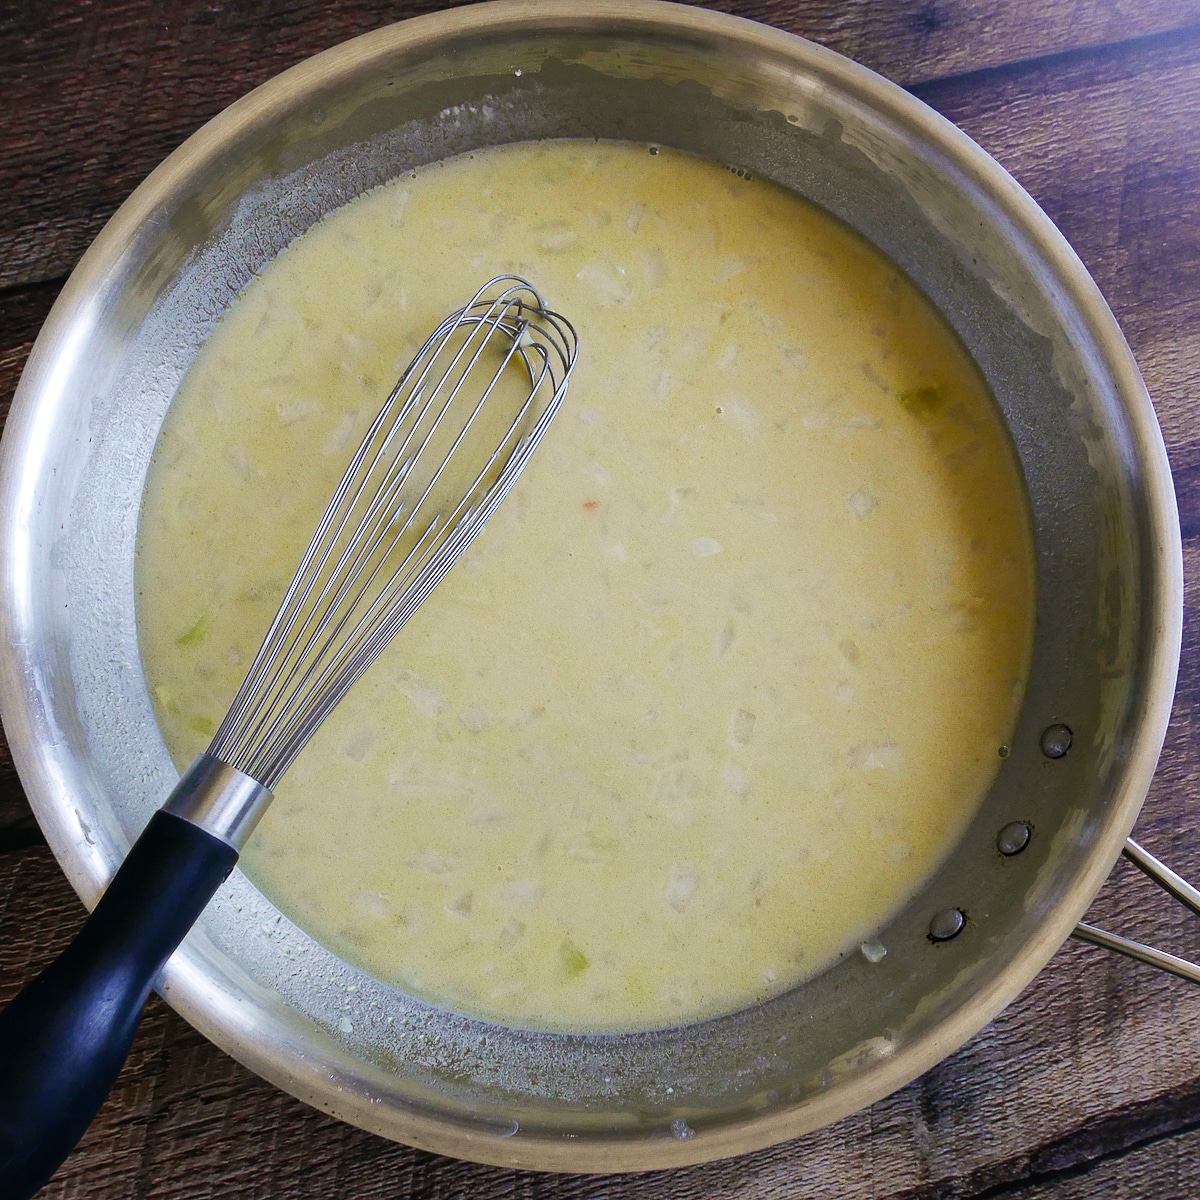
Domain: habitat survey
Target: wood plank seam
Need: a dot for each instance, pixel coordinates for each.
(1098, 54)
(1024, 1170)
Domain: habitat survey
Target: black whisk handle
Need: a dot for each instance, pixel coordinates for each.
(65, 1036)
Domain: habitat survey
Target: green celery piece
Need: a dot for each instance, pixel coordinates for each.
(195, 635)
(923, 402)
(573, 960)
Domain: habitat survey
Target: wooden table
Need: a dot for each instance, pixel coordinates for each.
(1089, 1084)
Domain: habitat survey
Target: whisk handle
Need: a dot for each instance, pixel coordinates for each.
(65, 1036)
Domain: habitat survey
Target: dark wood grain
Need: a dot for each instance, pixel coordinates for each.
(22, 311)
(1089, 1084)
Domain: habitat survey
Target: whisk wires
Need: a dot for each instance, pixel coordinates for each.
(446, 448)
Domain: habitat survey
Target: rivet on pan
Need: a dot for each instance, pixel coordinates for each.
(1013, 838)
(947, 924)
(1056, 741)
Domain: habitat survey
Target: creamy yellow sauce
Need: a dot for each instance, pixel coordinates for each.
(730, 670)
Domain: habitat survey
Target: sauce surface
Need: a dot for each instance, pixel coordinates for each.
(672, 736)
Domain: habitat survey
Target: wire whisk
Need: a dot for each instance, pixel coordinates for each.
(446, 448)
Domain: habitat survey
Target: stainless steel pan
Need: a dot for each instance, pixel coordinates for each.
(146, 294)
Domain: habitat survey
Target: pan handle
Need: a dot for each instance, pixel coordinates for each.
(1172, 884)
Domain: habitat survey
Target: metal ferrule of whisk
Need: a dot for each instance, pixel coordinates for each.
(446, 448)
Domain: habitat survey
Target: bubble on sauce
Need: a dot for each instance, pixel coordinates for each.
(681, 886)
(862, 504)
